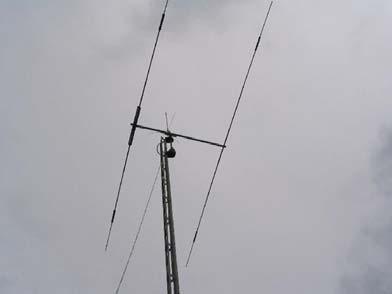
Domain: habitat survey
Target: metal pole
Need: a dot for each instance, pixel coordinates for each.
(168, 224)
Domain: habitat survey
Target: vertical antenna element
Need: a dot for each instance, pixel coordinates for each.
(167, 122)
(227, 134)
(135, 121)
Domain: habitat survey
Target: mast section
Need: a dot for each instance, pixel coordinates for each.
(173, 286)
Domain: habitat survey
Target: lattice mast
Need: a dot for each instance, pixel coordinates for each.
(172, 279)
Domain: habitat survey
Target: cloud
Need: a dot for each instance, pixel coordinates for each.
(5, 283)
(182, 14)
(372, 254)
(383, 164)
(71, 75)
(131, 27)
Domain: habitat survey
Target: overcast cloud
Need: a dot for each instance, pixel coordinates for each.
(302, 202)
(371, 256)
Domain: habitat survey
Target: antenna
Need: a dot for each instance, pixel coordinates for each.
(227, 134)
(135, 121)
(166, 152)
(167, 122)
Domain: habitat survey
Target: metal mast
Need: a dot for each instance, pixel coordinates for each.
(173, 286)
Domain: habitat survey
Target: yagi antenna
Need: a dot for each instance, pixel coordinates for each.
(227, 135)
(166, 151)
(135, 121)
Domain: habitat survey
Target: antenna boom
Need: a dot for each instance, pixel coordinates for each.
(167, 133)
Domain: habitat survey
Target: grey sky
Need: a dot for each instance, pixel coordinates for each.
(371, 255)
(300, 203)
